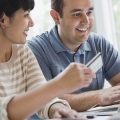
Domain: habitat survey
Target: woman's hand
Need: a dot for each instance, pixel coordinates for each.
(59, 110)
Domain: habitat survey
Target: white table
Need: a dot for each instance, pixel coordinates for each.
(100, 118)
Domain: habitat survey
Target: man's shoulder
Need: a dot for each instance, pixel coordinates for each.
(39, 40)
(45, 37)
(40, 37)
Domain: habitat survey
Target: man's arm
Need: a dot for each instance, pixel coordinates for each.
(115, 80)
(85, 101)
(82, 101)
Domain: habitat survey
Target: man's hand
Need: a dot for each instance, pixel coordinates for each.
(110, 95)
(59, 110)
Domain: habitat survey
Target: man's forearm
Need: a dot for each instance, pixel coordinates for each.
(82, 101)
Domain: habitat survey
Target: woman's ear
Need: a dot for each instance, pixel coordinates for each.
(4, 22)
(55, 16)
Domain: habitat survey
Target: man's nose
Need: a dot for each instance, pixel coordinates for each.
(84, 19)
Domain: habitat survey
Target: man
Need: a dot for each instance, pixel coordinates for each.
(71, 40)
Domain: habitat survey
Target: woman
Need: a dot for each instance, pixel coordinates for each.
(23, 91)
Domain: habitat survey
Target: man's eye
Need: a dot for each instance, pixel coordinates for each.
(77, 14)
(89, 13)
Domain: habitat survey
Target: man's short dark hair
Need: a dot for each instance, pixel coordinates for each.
(58, 6)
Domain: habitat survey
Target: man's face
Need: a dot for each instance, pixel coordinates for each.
(76, 23)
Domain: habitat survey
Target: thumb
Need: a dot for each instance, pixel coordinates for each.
(57, 115)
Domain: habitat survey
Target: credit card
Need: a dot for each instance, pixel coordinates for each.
(95, 63)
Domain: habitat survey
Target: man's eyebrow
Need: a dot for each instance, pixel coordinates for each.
(80, 10)
(92, 8)
(75, 10)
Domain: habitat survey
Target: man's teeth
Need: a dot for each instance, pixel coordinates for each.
(83, 29)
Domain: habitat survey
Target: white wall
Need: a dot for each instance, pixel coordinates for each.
(104, 20)
(41, 17)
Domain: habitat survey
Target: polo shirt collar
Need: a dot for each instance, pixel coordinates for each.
(58, 46)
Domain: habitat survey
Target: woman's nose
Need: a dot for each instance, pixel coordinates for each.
(31, 23)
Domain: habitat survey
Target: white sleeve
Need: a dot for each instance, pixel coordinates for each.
(34, 75)
(43, 113)
(37, 78)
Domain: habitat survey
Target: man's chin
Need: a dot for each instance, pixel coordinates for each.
(83, 39)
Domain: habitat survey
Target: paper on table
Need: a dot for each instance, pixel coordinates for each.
(106, 108)
(102, 111)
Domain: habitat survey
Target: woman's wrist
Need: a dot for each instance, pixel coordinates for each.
(56, 106)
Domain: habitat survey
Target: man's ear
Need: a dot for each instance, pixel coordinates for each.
(55, 16)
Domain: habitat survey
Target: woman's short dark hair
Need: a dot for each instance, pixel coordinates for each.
(9, 7)
(58, 6)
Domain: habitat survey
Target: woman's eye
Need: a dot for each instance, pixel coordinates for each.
(27, 15)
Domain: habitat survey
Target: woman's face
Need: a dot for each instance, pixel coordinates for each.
(16, 28)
